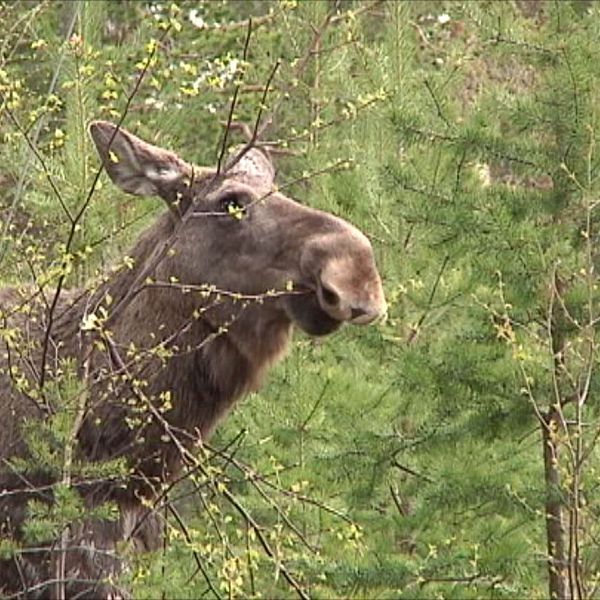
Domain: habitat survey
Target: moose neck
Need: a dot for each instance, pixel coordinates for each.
(215, 351)
(139, 264)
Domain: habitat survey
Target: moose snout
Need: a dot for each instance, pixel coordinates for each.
(339, 266)
(354, 297)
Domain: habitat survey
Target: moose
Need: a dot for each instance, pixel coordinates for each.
(208, 297)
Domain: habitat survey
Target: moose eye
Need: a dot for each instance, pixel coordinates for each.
(231, 201)
(233, 204)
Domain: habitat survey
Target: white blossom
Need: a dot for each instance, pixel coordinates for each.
(196, 20)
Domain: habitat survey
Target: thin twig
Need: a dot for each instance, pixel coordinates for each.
(234, 100)
(414, 330)
(252, 474)
(42, 162)
(438, 107)
(34, 138)
(233, 25)
(83, 208)
(397, 502)
(256, 132)
(410, 471)
(197, 560)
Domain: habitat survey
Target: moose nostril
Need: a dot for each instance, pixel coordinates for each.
(329, 296)
(357, 312)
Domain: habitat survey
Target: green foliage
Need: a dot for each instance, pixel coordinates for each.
(400, 461)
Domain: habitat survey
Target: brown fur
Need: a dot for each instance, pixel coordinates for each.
(220, 346)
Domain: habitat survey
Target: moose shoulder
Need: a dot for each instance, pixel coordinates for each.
(166, 345)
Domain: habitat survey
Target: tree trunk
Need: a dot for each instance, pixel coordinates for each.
(555, 531)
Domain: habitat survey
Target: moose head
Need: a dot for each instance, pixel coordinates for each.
(238, 233)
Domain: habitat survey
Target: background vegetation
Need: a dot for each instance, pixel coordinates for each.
(449, 452)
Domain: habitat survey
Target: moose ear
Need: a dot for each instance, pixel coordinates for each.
(254, 164)
(136, 166)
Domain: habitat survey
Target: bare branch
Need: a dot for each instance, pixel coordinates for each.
(256, 132)
(234, 101)
(83, 208)
(42, 162)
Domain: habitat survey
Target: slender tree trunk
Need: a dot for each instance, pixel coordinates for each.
(555, 530)
(559, 583)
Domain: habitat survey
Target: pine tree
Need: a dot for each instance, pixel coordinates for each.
(500, 185)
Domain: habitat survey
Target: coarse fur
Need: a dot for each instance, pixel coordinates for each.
(164, 346)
